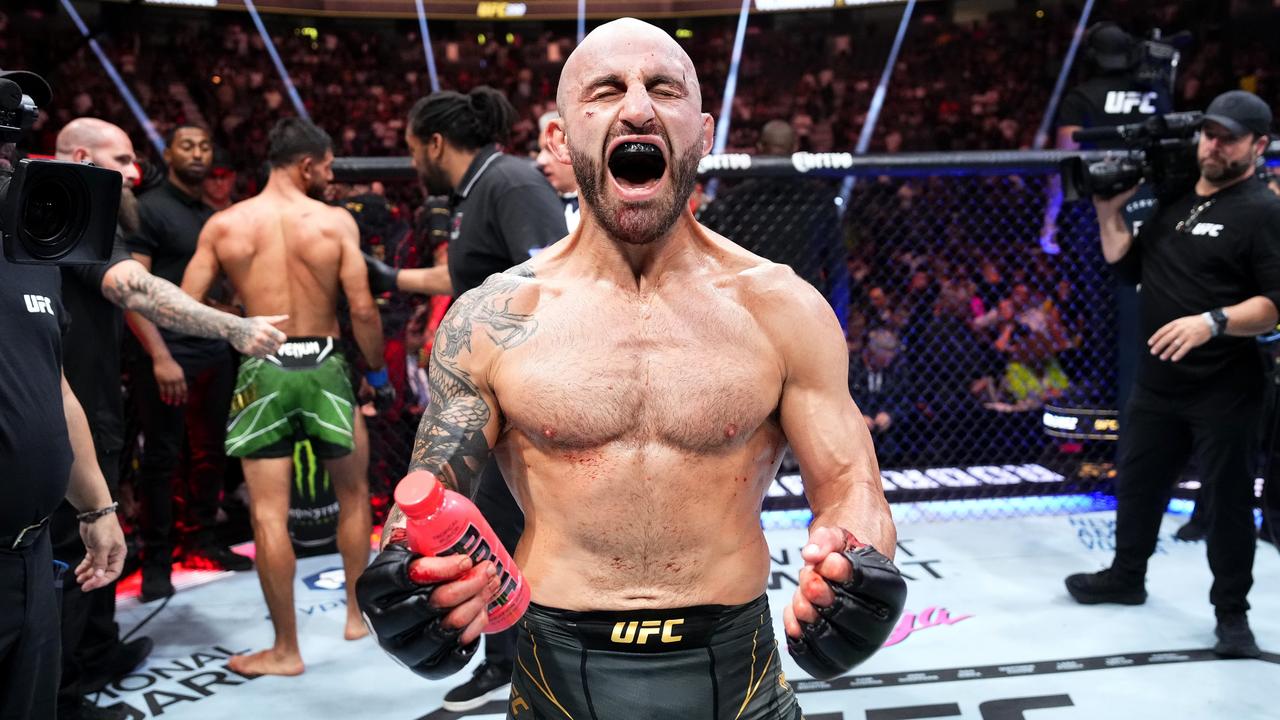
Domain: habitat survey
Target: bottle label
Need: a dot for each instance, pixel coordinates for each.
(474, 545)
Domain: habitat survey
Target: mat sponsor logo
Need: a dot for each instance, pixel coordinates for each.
(164, 684)
(330, 579)
(930, 617)
(1100, 534)
(786, 566)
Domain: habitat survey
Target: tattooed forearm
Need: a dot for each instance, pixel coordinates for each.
(396, 520)
(164, 304)
(451, 442)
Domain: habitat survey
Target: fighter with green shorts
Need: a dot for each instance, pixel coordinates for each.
(301, 391)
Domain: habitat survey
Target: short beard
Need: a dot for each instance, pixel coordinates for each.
(189, 177)
(434, 181)
(1229, 171)
(316, 190)
(128, 217)
(642, 224)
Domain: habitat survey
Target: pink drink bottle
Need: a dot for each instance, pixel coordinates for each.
(442, 522)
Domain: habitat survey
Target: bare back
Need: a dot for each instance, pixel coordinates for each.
(284, 256)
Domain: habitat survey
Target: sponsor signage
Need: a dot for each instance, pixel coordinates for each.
(787, 491)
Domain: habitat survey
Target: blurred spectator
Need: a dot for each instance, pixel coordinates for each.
(880, 386)
(218, 187)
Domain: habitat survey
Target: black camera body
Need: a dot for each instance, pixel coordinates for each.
(51, 211)
(1161, 151)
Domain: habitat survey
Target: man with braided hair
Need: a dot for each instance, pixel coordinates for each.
(638, 383)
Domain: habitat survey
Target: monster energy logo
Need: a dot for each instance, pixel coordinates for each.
(304, 473)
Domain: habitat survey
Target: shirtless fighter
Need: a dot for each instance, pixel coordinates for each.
(287, 250)
(638, 382)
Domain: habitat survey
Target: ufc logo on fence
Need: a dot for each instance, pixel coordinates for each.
(38, 304)
(1123, 102)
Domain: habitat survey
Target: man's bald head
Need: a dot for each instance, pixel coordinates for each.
(777, 137)
(612, 38)
(99, 142)
(629, 94)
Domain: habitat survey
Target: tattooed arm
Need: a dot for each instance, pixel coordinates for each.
(462, 421)
(129, 285)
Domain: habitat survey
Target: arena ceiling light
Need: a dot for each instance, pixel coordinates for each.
(184, 3)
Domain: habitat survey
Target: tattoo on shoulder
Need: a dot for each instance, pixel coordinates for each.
(451, 442)
(524, 270)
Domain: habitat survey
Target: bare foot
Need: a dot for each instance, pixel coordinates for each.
(267, 662)
(355, 628)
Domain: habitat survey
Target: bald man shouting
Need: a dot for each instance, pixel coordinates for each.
(638, 382)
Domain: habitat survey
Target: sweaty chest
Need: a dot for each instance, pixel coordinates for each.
(692, 381)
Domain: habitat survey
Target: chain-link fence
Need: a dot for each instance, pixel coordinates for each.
(983, 359)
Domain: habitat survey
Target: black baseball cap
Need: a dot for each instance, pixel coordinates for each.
(1110, 46)
(31, 84)
(1240, 112)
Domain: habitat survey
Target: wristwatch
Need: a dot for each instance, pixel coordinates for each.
(1217, 319)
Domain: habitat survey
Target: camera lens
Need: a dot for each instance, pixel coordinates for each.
(47, 212)
(53, 213)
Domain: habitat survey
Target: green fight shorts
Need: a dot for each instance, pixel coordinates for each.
(712, 662)
(300, 392)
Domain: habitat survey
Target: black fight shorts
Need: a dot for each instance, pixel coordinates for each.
(711, 662)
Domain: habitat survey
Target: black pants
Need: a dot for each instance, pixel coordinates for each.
(89, 630)
(499, 508)
(28, 632)
(1158, 438)
(202, 422)
(712, 662)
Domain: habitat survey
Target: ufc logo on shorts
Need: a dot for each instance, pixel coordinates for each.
(638, 633)
(1123, 102)
(38, 304)
(1210, 229)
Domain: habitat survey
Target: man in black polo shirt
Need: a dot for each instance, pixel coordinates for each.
(47, 454)
(1209, 268)
(504, 212)
(184, 384)
(92, 654)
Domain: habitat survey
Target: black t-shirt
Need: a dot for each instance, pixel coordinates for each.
(35, 451)
(1228, 253)
(504, 212)
(92, 359)
(170, 222)
(1111, 100)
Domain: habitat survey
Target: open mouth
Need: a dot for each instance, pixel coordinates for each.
(637, 164)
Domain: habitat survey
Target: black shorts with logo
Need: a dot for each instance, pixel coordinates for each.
(711, 662)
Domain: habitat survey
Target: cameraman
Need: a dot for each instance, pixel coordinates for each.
(47, 453)
(1208, 265)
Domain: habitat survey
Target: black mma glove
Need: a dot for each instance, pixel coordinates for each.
(384, 394)
(400, 614)
(863, 615)
(382, 277)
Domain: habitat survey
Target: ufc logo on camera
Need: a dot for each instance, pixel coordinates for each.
(1123, 102)
(38, 304)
